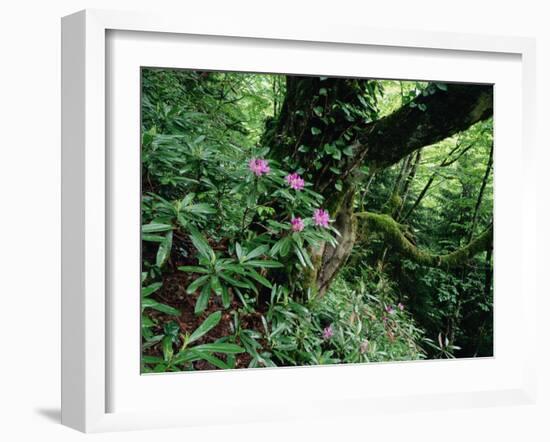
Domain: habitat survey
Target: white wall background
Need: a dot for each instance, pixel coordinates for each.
(30, 216)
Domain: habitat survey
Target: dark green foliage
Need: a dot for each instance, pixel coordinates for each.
(403, 270)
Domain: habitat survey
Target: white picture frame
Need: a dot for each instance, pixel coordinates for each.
(87, 211)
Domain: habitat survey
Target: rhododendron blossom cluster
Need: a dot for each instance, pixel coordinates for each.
(258, 166)
(328, 332)
(297, 224)
(295, 181)
(321, 218)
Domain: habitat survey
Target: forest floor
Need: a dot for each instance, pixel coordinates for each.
(173, 293)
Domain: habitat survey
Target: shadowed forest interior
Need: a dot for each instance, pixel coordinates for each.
(305, 220)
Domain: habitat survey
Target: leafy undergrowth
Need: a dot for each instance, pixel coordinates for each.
(352, 323)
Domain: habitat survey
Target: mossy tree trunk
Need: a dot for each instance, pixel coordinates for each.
(328, 128)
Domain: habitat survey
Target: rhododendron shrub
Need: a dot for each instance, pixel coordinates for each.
(299, 223)
(288, 211)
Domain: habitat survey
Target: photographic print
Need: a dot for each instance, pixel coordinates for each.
(307, 220)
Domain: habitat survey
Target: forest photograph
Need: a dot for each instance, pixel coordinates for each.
(299, 220)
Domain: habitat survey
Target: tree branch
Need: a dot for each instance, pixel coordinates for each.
(446, 162)
(425, 121)
(386, 226)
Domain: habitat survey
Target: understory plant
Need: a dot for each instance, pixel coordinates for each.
(186, 353)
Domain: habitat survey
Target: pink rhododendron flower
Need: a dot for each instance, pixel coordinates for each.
(258, 166)
(295, 181)
(390, 309)
(400, 306)
(328, 332)
(297, 224)
(321, 218)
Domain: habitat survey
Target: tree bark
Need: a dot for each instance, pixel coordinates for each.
(480, 195)
(408, 182)
(410, 128)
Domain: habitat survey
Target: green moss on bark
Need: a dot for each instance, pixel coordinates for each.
(386, 226)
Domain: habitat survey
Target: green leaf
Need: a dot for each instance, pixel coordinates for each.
(231, 361)
(201, 209)
(147, 322)
(199, 139)
(238, 251)
(167, 349)
(315, 130)
(285, 246)
(215, 285)
(151, 303)
(237, 189)
(348, 151)
(234, 281)
(219, 348)
(164, 250)
(161, 368)
(235, 268)
(323, 91)
(152, 341)
(277, 246)
(187, 355)
(210, 358)
(225, 296)
(277, 225)
(193, 269)
(318, 110)
(201, 244)
(146, 291)
(260, 250)
(171, 329)
(264, 263)
(207, 325)
(300, 257)
(199, 282)
(151, 360)
(202, 301)
(152, 238)
(155, 228)
(254, 274)
(329, 148)
(251, 199)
